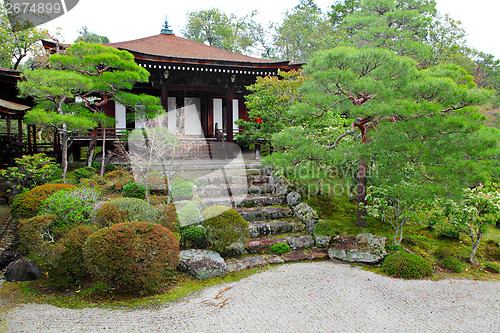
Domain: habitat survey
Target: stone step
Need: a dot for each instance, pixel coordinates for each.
(265, 213)
(248, 262)
(262, 200)
(296, 242)
(275, 227)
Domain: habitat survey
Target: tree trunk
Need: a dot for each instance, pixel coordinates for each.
(361, 193)
(103, 162)
(91, 151)
(64, 151)
(475, 245)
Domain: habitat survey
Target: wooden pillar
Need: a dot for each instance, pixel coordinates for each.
(35, 147)
(204, 114)
(164, 98)
(210, 121)
(30, 146)
(20, 128)
(229, 114)
(9, 126)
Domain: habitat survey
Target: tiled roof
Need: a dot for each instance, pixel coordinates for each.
(171, 46)
(7, 106)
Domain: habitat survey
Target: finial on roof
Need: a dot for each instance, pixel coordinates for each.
(166, 28)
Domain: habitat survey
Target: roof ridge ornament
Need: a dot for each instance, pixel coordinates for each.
(166, 28)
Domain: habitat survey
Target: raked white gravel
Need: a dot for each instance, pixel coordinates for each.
(303, 297)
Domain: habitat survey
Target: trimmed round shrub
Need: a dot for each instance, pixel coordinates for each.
(65, 266)
(447, 232)
(33, 233)
(182, 190)
(132, 257)
(86, 172)
(28, 204)
(194, 237)
(117, 180)
(189, 214)
(168, 217)
(406, 265)
(280, 248)
(126, 210)
(133, 190)
(71, 207)
(72, 166)
(224, 227)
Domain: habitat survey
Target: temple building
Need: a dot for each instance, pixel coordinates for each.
(202, 87)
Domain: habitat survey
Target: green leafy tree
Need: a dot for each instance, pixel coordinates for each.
(304, 30)
(72, 91)
(269, 106)
(90, 37)
(16, 46)
(472, 215)
(403, 117)
(214, 27)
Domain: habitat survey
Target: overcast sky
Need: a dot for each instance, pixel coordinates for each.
(126, 20)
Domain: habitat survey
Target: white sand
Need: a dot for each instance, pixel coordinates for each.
(303, 297)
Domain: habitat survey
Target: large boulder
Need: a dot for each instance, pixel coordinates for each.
(8, 256)
(202, 264)
(307, 215)
(22, 270)
(365, 248)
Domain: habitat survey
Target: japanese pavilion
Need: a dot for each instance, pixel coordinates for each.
(201, 84)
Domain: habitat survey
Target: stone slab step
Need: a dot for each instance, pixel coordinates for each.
(263, 200)
(265, 213)
(248, 262)
(296, 242)
(275, 227)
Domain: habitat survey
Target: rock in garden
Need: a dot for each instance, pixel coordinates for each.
(22, 270)
(202, 264)
(300, 242)
(307, 215)
(322, 241)
(8, 256)
(293, 198)
(365, 248)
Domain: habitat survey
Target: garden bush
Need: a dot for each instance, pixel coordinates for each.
(31, 171)
(182, 190)
(65, 266)
(126, 210)
(447, 232)
(279, 248)
(74, 165)
(71, 207)
(188, 214)
(193, 236)
(224, 227)
(28, 204)
(33, 233)
(132, 257)
(406, 265)
(168, 217)
(117, 180)
(86, 172)
(133, 190)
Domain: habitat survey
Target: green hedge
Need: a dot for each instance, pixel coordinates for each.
(406, 265)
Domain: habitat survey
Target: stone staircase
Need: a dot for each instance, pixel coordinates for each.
(271, 220)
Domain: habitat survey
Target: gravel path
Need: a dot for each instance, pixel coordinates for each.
(304, 297)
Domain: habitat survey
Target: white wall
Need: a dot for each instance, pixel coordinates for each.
(120, 116)
(192, 116)
(218, 112)
(172, 115)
